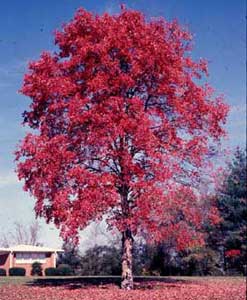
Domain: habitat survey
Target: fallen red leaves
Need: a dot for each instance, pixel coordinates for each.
(209, 289)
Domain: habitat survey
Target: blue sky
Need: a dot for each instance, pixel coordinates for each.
(26, 29)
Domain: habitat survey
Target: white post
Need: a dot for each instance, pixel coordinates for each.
(11, 260)
(54, 259)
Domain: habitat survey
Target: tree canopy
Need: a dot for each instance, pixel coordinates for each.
(122, 127)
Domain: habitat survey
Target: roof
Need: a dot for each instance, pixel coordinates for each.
(29, 248)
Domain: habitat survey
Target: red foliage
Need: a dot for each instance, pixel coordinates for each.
(210, 289)
(233, 253)
(122, 127)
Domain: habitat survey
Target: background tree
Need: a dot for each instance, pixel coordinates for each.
(27, 234)
(122, 129)
(229, 237)
(71, 257)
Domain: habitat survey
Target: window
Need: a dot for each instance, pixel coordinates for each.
(28, 257)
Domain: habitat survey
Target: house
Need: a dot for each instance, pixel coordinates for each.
(24, 255)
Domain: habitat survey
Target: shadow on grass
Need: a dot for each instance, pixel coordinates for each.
(104, 282)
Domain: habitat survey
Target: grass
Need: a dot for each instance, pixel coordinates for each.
(95, 280)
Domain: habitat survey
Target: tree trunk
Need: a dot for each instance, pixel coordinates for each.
(127, 247)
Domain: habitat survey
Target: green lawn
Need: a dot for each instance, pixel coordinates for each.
(60, 280)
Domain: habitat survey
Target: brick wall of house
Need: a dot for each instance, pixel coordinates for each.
(48, 264)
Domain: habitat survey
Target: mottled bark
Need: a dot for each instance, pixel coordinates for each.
(127, 275)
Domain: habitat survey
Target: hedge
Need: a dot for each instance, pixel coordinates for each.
(17, 272)
(62, 270)
(3, 272)
(51, 272)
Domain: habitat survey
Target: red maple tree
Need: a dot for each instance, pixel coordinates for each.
(122, 128)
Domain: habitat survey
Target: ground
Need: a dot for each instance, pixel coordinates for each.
(103, 288)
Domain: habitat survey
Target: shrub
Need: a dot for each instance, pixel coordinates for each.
(61, 270)
(101, 260)
(51, 272)
(36, 269)
(17, 272)
(64, 270)
(3, 272)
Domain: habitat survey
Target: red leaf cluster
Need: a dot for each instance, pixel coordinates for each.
(232, 253)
